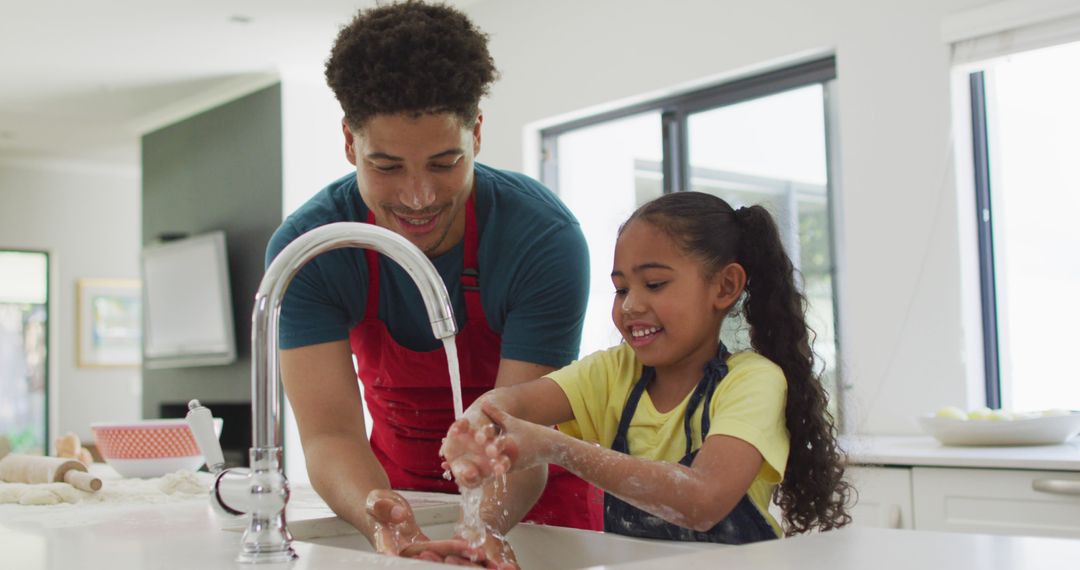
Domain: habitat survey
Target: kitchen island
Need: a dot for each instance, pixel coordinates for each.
(186, 534)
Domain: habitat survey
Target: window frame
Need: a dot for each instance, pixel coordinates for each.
(984, 220)
(675, 111)
(48, 336)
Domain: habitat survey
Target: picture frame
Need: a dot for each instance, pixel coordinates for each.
(109, 323)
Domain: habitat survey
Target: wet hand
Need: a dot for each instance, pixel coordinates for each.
(520, 444)
(452, 551)
(394, 528)
(473, 451)
(495, 553)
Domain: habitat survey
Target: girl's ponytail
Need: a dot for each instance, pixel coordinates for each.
(814, 493)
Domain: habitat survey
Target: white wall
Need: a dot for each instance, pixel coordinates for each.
(86, 216)
(313, 155)
(313, 149)
(902, 317)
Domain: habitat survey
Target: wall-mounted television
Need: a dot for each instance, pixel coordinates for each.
(187, 305)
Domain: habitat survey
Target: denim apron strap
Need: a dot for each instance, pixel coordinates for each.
(742, 525)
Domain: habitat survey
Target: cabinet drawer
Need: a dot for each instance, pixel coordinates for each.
(997, 501)
(884, 497)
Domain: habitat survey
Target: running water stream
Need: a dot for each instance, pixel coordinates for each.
(471, 527)
(455, 374)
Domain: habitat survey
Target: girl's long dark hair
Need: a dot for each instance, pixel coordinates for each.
(814, 493)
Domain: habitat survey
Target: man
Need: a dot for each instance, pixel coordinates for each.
(409, 78)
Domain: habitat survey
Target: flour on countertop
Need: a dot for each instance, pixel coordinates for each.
(41, 494)
(183, 483)
(178, 486)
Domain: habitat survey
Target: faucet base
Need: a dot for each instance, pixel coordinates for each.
(264, 557)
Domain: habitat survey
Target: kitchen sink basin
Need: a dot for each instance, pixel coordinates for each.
(538, 547)
(541, 547)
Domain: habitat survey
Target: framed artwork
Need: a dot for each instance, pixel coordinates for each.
(109, 323)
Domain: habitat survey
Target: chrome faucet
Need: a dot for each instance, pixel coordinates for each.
(262, 491)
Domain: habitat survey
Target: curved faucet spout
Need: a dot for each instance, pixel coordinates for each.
(267, 538)
(264, 333)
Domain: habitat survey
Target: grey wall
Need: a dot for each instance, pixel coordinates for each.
(219, 170)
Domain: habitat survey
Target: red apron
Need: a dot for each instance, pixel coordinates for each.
(411, 404)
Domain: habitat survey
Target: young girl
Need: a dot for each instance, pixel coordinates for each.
(693, 440)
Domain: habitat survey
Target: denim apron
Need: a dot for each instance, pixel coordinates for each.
(744, 524)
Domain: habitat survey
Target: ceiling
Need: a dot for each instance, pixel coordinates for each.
(83, 80)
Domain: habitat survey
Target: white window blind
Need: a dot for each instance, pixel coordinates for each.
(1004, 28)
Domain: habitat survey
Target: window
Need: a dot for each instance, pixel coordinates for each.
(1025, 120)
(605, 171)
(24, 333)
(760, 140)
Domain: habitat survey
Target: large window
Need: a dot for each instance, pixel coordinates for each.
(24, 330)
(761, 140)
(1026, 119)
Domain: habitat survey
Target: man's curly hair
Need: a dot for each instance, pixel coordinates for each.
(410, 57)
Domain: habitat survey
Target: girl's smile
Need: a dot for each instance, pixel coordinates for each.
(641, 336)
(664, 305)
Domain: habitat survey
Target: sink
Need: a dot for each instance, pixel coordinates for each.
(540, 547)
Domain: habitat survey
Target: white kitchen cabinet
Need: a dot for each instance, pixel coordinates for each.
(1023, 490)
(997, 501)
(884, 497)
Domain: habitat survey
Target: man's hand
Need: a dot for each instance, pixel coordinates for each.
(396, 533)
(392, 522)
(494, 554)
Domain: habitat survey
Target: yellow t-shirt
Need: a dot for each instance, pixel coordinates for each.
(748, 404)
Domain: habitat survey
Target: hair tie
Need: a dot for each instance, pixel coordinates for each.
(741, 215)
(745, 245)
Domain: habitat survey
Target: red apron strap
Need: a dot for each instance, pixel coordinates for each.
(470, 274)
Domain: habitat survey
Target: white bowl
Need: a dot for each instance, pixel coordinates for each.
(149, 448)
(1045, 430)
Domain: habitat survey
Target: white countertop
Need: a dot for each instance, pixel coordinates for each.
(884, 549)
(926, 451)
(186, 534)
(182, 536)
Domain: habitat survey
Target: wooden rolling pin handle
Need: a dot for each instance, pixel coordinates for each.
(82, 480)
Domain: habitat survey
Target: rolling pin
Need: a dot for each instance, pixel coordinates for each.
(18, 468)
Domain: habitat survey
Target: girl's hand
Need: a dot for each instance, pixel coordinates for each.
(521, 444)
(472, 450)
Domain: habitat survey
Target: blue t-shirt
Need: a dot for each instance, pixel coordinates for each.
(534, 271)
